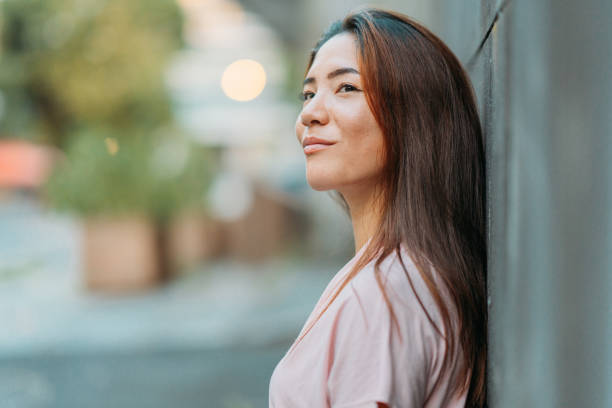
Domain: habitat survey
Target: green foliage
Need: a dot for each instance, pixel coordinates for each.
(93, 62)
(88, 77)
(155, 174)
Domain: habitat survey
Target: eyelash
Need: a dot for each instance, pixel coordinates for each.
(303, 95)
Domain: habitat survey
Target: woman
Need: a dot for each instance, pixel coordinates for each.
(389, 121)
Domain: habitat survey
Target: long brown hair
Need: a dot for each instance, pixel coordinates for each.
(433, 183)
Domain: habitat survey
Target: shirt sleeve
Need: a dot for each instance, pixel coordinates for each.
(368, 363)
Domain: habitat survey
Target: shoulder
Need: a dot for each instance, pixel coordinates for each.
(371, 356)
(391, 304)
(403, 349)
(404, 288)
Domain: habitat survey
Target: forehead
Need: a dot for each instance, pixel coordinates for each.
(338, 51)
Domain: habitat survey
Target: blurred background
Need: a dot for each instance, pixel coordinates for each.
(159, 245)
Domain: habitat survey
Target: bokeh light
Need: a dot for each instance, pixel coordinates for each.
(243, 80)
(112, 146)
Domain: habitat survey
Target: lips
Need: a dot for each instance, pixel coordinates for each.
(312, 144)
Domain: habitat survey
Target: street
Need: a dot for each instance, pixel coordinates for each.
(209, 339)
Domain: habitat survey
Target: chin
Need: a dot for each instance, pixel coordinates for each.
(320, 177)
(320, 182)
(320, 185)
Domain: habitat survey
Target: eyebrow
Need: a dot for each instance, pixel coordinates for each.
(333, 74)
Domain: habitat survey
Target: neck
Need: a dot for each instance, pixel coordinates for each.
(365, 214)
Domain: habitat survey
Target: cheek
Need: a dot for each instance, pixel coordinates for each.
(357, 119)
(365, 157)
(366, 138)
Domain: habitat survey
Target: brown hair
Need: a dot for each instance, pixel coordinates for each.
(433, 183)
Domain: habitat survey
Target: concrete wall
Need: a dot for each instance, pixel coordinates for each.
(542, 71)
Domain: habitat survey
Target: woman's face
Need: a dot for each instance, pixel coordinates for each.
(343, 142)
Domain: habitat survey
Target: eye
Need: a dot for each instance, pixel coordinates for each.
(305, 95)
(348, 88)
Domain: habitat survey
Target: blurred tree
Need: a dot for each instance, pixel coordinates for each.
(79, 63)
(88, 77)
(155, 175)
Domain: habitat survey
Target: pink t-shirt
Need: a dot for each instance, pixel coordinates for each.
(353, 356)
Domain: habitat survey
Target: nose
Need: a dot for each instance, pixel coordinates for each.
(315, 111)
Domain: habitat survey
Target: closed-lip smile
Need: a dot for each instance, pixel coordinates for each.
(312, 144)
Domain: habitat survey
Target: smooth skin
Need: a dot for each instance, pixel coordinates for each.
(335, 109)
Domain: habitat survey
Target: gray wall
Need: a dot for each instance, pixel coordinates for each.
(543, 75)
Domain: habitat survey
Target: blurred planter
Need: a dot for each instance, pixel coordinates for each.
(152, 177)
(120, 253)
(269, 228)
(193, 237)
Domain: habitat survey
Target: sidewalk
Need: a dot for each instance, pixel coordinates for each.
(223, 315)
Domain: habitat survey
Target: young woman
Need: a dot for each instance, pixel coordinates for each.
(390, 122)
